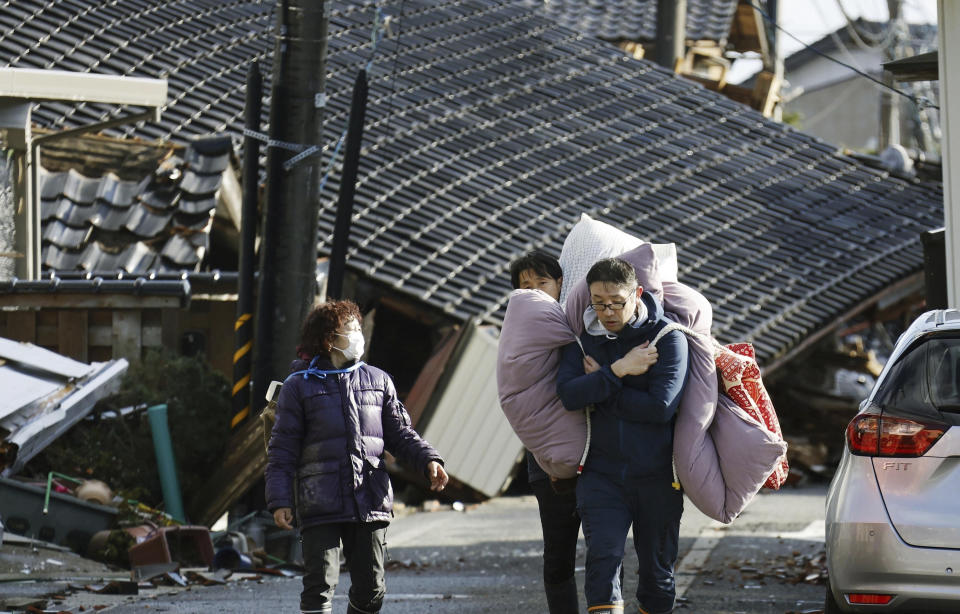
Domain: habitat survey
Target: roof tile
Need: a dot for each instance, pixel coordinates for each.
(491, 127)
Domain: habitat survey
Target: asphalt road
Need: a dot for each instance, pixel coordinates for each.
(487, 559)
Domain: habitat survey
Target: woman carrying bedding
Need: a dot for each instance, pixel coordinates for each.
(538, 270)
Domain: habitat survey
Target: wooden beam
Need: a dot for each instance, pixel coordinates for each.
(747, 30)
(243, 464)
(67, 300)
(766, 92)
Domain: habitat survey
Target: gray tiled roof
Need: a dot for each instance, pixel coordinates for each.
(491, 128)
(636, 20)
(160, 222)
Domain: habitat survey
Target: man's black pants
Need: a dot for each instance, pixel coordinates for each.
(364, 545)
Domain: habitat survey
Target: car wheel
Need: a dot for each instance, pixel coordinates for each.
(830, 605)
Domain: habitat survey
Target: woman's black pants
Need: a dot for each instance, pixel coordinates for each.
(561, 528)
(364, 545)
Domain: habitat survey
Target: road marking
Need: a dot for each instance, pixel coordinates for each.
(695, 559)
(411, 597)
(815, 531)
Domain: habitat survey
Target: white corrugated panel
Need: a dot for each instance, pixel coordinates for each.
(21, 388)
(36, 357)
(468, 427)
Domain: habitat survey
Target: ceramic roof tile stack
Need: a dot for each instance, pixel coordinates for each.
(636, 20)
(500, 127)
(160, 223)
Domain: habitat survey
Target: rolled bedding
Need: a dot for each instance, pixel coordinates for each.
(534, 330)
(722, 455)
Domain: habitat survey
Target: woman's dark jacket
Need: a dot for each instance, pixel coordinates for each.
(325, 456)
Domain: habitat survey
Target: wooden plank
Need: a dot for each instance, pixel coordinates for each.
(242, 466)
(152, 328)
(766, 92)
(747, 32)
(72, 333)
(221, 337)
(99, 317)
(426, 383)
(22, 325)
(126, 334)
(170, 324)
(66, 300)
(101, 354)
(152, 336)
(100, 335)
(47, 336)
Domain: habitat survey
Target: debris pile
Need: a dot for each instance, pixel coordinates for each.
(794, 568)
(822, 392)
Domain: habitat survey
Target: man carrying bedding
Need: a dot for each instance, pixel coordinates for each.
(628, 477)
(538, 270)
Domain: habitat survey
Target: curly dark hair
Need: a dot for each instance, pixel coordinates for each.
(317, 332)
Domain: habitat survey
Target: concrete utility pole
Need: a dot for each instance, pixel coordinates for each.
(671, 32)
(948, 32)
(889, 101)
(775, 61)
(288, 251)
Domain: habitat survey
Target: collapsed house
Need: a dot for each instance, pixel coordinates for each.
(490, 129)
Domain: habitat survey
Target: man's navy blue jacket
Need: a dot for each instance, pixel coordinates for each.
(633, 419)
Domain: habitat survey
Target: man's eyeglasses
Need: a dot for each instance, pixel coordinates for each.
(600, 307)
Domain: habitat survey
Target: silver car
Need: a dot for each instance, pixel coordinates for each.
(893, 508)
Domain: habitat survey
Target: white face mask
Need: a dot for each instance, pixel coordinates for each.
(354, 349)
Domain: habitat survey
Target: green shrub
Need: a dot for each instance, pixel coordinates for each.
(119, 451)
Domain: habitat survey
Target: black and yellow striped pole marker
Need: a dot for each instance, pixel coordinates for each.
(243, 327)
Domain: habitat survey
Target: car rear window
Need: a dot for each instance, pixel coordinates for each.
(925, 381)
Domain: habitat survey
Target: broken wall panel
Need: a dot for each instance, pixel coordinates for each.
(466, 423)
(45, 395)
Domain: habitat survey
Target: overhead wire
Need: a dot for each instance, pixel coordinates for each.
(921, 118)
(920, 102)
(880, 40)
(836, 37)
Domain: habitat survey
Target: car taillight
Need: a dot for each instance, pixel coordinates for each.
(869, 599)
(873, 435)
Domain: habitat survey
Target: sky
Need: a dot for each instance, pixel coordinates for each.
(811, 20)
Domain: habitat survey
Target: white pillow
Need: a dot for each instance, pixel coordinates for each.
(666, 254)
(591, 240)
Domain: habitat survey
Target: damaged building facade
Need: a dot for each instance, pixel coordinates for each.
(491, 127)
